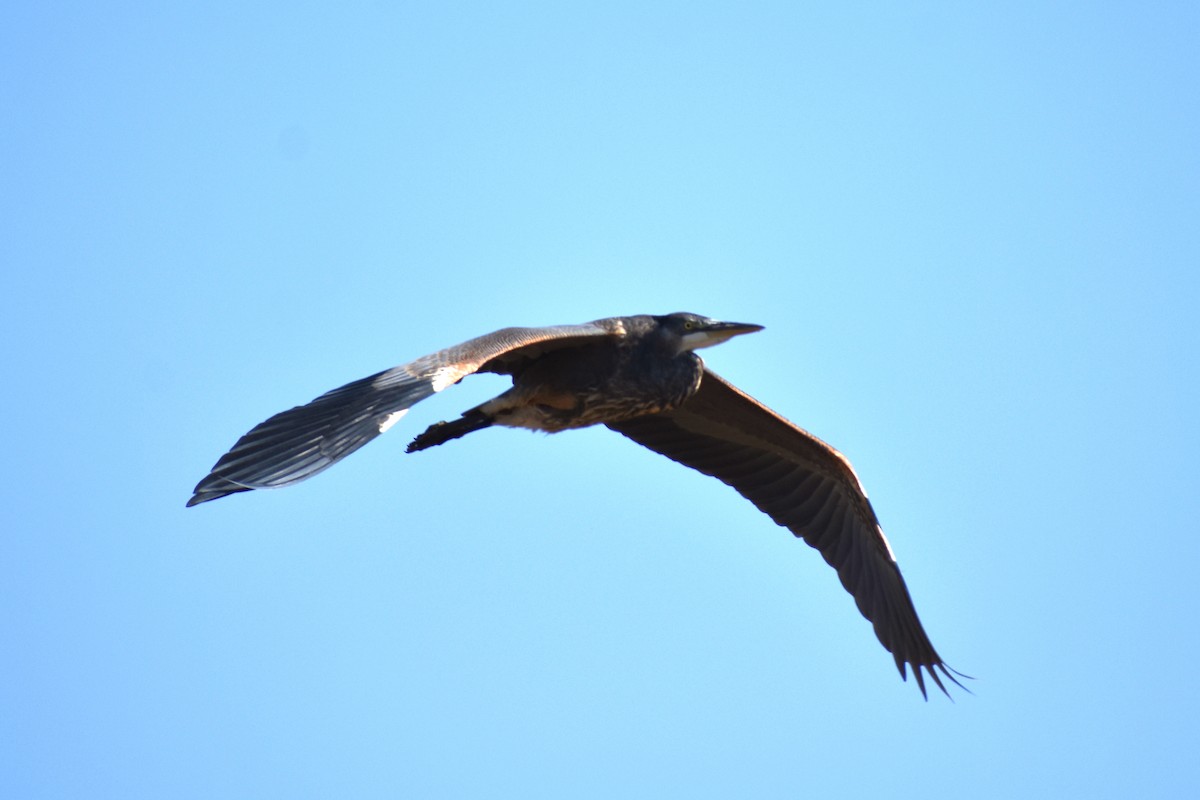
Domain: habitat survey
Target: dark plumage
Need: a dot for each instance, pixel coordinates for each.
(641, 377)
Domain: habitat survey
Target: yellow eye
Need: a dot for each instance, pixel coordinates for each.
(687, 326)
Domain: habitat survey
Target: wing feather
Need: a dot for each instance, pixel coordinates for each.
(298, 443)
(804, 485)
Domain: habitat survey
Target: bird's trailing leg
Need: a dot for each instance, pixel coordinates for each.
(442, 432)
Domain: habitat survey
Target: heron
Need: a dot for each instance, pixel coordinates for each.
(641, 377)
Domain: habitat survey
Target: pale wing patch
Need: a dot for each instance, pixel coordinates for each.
(887, 545)
(391, 419)
(446, 376)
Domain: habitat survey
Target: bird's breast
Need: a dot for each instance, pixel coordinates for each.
(645, 387)
(583, 392)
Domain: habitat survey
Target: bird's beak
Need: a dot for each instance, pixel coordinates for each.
(717, 332)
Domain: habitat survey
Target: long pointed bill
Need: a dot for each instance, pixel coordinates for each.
(717, 332)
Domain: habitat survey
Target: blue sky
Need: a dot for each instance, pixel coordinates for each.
(969, 229)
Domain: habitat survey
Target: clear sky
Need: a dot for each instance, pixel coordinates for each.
(971, 230)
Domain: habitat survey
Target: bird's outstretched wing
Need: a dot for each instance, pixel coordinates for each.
(804, 485)
(298, 443)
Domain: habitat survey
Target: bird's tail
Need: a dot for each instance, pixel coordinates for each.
(442, 432)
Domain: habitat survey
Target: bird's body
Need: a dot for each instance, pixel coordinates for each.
(640, 369)
(641, 377)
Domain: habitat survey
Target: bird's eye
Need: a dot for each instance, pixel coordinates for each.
(687, 326)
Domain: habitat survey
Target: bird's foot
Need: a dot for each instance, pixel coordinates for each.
(442, 432)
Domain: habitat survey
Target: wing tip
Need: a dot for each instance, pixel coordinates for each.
(214, 487)
(933, 668)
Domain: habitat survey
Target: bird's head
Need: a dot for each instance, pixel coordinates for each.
(692, 331)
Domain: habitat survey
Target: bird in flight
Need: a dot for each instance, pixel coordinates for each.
(641, 377)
